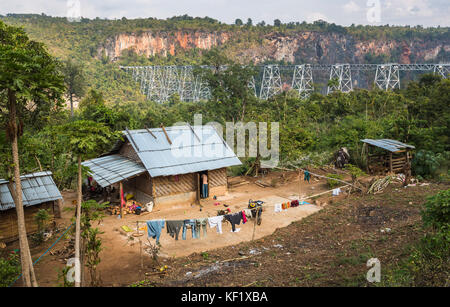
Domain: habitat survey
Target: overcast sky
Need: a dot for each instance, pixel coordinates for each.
(342, 12)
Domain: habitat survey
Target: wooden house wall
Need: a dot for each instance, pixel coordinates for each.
(168, 185)
(8, 221)
(217, 177)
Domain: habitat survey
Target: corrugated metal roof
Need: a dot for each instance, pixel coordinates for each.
(388, 144)
(37, 188)
(193, 149)
(114, 168)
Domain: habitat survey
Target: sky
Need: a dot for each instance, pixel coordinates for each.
(428, 13)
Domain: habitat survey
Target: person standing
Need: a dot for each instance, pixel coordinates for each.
(204, 185)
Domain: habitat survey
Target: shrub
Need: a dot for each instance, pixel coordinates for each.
(437, 211)
(428, 164)
(333, 183)
(9, 269)
(354, 171)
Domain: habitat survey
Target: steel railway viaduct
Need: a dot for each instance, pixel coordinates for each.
(159, 83)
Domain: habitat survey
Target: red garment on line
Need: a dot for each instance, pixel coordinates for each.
(244, 218)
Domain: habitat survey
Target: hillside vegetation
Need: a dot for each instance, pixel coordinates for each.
(87, 42)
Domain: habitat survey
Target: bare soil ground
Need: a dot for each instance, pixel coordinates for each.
(305, 246)
(328, 248)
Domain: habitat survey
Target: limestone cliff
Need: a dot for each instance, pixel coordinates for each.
(294, 47)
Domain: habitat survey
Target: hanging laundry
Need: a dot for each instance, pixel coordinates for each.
(257, 210)
(307, 176)
(216, 221)
(244, 218)
(174, 227)
(248, 213)
(189, 224)
(278, 208)
(234, 219)
(336, 191)
(154, 228)
(200, 223)
(295, 203)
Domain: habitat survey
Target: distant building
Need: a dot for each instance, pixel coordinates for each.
(387, 156)
(164, 165)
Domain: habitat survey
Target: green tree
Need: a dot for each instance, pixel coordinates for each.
(238, 22)
(85, 139)
(277, 23)
(74, 80)
(229, 86)
(28, 76)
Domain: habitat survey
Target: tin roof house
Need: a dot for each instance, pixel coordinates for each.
(39, 191)
(165, 165)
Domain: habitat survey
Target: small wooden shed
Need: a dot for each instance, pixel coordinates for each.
(386, 155)
(39, 191)
(164, 165)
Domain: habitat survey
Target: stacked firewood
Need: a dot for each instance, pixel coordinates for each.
(128, 208)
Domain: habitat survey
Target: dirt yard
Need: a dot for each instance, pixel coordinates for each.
(337, 235)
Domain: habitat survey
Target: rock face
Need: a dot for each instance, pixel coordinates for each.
(296, 47)
(163, 43)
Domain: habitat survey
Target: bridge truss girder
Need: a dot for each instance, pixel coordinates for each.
(343, 75)
(387, 76)
(271, 82)
(159, 83)
(302, 80)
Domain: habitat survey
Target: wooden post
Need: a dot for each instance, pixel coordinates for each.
(207, 178)
(58, 208)
(390, 162)
(165, 133)
(120, 196)
(198, 187)
(254, 224)
(140, 253)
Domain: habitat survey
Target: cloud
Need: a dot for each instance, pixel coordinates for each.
(351, 7)
(316, 16)
(342, 12)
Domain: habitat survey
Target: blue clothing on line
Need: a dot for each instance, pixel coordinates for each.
(307, 176)
(154, 229)
(192, 225)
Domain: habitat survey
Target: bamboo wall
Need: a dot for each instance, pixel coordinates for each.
(168, 185)
(174, 189)
(217, 177)
(8, 221)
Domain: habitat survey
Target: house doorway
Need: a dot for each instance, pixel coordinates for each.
(203, 180)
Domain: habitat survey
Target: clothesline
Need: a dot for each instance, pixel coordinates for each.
(265, 206)
(317, 175)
